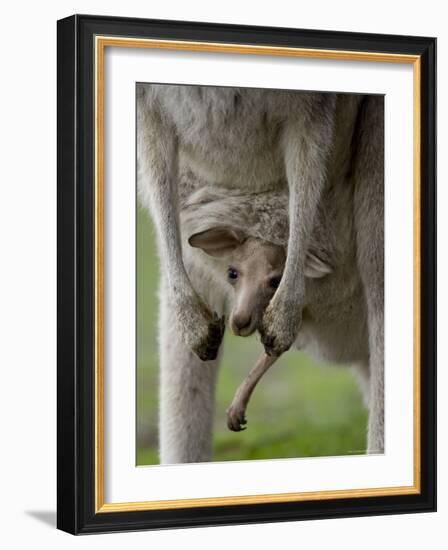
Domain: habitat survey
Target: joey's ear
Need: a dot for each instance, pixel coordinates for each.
(218, 241)
(315, 268)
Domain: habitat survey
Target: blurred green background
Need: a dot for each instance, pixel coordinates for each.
(299, 409)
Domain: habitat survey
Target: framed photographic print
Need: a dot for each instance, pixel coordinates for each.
(246, 274)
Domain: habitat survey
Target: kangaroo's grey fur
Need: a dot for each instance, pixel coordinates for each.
(326, 150)
(333, 303)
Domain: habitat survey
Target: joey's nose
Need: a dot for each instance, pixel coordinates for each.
(241, 322)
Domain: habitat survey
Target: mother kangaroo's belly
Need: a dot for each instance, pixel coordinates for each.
(245, 167)
(343, 339)
(230, 137)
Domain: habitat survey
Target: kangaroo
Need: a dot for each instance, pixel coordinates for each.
(256, 142)
(248, 243)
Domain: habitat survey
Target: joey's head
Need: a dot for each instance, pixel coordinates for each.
(254, 270)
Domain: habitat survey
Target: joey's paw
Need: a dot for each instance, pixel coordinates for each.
(207, 348)
(279, 328)
(236, 418)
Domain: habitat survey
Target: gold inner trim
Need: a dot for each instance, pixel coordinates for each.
(99, 278)
(101, 42)
(417, 270)
(248, 49)
(255, 499)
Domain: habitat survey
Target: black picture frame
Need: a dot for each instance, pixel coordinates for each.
(76, 301)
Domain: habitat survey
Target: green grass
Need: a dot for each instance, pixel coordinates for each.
(299, 409)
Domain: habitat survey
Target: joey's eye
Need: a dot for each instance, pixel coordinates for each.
(232, 274)
(274, 282)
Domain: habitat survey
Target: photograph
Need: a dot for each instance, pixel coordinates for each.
(223, 275)
(246, 260)
(260, 274)
(223, 237)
